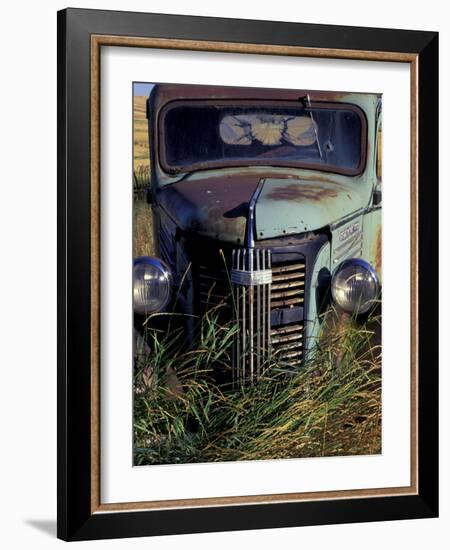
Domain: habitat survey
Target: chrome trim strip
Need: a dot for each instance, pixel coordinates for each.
(250, 229)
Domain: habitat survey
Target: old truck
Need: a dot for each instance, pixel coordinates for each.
(266, 202)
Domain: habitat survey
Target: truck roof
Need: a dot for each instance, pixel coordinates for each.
(164, 93)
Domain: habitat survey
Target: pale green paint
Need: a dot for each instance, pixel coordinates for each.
(291, 206)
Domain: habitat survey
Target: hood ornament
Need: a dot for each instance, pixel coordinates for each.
(250, 229)
(250, 266)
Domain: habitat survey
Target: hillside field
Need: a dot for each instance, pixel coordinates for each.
(140, 134)
(142, 212)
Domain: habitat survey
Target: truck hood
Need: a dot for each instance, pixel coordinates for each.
(288, 206)
(217, 207)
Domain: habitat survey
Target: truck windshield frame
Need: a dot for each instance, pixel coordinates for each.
(318, 112)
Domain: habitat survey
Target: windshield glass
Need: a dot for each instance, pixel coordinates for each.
(202, 135)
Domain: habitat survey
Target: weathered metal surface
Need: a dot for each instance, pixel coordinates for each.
(164, 93)
(347, 240)
(287, 302)
(215, 207)
(218, 206)
(372, 240)
(318, 294)
(251, 278)
(295, 206)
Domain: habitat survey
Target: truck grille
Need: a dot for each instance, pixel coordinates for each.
(264, 295)
(287, 343)
(288, 285)
(214, 287)
(251, 276)
(287, 293)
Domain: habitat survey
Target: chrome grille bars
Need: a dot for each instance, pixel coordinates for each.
(251, 276)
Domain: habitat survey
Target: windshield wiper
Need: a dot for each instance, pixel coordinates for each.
(306, 103)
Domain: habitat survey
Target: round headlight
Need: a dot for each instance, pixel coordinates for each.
(152, 285)
(355, 286)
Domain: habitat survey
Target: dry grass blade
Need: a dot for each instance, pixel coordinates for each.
(330, 407)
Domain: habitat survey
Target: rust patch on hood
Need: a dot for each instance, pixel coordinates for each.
(288, 207)
(303, 192)
(215, 207)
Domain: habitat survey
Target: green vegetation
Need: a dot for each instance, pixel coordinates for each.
(329, 407)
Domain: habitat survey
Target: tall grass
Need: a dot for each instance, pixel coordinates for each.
(140, 132)
(143, 242)
(330, 406)
(141, 178)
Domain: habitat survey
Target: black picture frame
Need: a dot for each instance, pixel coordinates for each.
(76, 520)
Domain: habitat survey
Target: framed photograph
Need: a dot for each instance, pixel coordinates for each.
(247, 274)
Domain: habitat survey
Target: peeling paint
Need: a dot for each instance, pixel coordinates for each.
(212, 207)
(285, 206)
(302, 191)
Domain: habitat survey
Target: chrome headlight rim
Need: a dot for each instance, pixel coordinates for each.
(167, 278)
(358, 262)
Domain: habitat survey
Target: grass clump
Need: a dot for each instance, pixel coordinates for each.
(141, 179)
(143, 242)
(330, 406)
